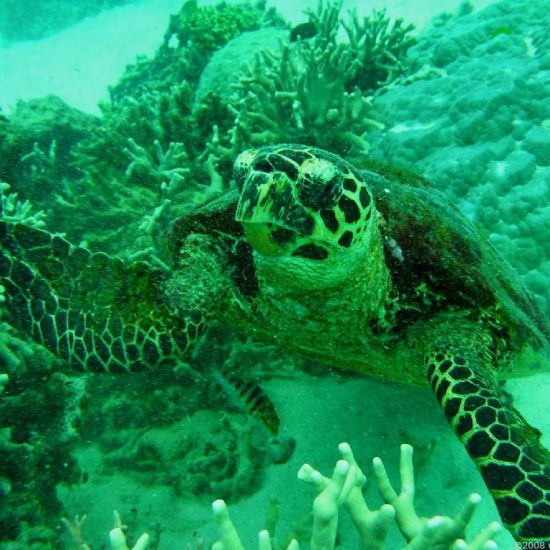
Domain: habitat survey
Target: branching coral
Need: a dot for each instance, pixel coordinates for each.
(193, 35)
(41, 162)
(210, 27)
(384, 44)
(14, 210)
(117, 536)
(165, 168)
(36, 141)
(343, 489)
(151, 174)
(317, 91)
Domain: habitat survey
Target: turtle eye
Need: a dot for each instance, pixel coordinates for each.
(318, 194)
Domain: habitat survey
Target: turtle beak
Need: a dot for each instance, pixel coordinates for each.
(256, 200)
(260, 238)
(269, 213)
(253, 211)
(269, 198)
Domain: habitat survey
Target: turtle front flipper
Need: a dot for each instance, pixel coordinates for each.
(461, 363)
(94, 311)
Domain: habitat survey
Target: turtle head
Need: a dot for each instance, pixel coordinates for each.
(302, 202)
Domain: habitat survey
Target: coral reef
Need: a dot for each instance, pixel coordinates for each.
(211, 27)
(317, 91)
(37, 435)
(478, 127)
(13, 210)
(111, 173)
(383, 44)
(36, 142)
(344, 490)
(162, 146)
(51, 150)
(192, 36)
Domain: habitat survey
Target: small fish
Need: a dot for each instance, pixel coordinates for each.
(303, 30)
(248, 396)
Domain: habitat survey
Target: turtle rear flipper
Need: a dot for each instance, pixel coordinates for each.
(92, 310)
(507, 451)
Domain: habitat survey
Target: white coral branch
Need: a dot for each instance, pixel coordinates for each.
(117, 537)
(344, 489)
(15, 211)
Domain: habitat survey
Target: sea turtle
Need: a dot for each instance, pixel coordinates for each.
(351, 267)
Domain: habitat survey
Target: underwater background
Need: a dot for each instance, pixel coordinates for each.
(109, 150)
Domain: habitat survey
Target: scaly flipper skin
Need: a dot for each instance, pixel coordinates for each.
(94, 311)
(507, 451)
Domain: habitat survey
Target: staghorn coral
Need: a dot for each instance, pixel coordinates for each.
(152, 107)
(117, 535)
(384, 44)
(344, 490)
(74, 166)
(14, 210)
(165, 167)
(36, 141)
(145, 154)
(317, 91)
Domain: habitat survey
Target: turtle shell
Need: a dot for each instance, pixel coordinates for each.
(441, 260)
